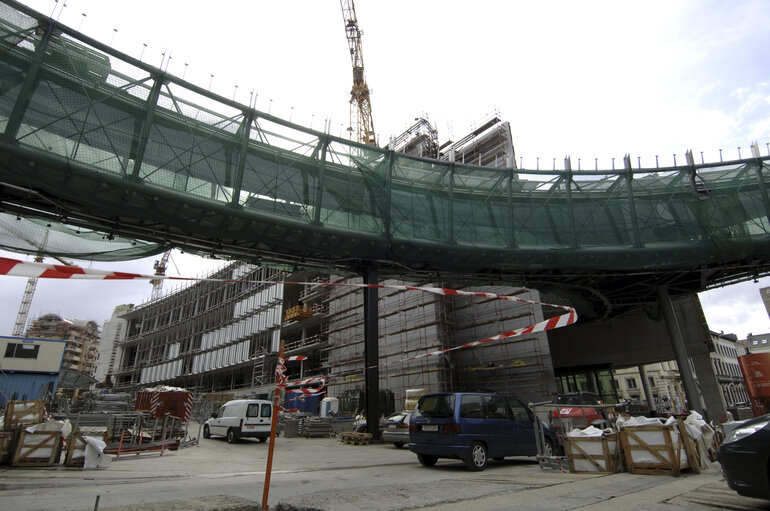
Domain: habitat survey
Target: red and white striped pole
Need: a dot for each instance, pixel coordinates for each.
(279, 380)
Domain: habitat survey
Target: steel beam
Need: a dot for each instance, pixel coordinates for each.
(371, 352)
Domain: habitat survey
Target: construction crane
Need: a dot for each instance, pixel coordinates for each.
(160, 270)
(29, 291)
(361, 122)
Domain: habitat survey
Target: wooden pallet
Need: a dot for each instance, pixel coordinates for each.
(24, 413)
(39, 449)
(352, 438)
(593, 454)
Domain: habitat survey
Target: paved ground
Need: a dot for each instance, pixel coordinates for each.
(324, 474)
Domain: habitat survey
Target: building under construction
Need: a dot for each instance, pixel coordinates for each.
(224, 336)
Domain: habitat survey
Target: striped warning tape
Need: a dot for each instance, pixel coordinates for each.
(18, 268)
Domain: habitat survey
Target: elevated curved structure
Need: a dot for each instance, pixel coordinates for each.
(96, 138)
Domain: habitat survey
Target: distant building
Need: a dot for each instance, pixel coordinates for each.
(113, 332)
(759, 343)
(29, 368)
(82, 338)
(724, 359)
(663, 379)
(765, 294)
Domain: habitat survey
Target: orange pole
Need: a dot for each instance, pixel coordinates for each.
(120, 445)
(271, 447)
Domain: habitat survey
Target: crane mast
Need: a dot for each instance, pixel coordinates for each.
(29, 291)
(361, 122)
(160, 270)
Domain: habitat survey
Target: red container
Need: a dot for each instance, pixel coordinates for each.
(178, 403)
(756, 374)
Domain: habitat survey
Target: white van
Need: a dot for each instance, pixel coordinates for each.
(241, 418)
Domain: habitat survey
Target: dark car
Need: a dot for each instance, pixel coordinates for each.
(745, 455)
(395, 429)
(472, 427)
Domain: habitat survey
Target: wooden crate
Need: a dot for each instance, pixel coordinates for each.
(658, 449)
(594, 454)
(24, 413)
(39, 449)
(76, 447)
(7, 445)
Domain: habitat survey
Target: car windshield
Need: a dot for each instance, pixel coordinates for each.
(437, 405)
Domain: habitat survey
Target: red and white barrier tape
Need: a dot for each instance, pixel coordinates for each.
(17, 268)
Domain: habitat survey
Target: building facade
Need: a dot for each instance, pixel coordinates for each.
(663, 381)
(113, 332)
(209, 336)
(224, 336)
(82, 338)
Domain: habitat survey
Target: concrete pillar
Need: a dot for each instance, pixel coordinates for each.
(646, 387)
(691, 390)
(693, 345)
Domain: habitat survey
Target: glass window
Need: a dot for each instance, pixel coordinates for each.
(472, 407)
(17, 350)
(520, 412)
(221, 412)
(436, 405)
(266, 409)
(631, 383)
(496, 408)
(252, 410)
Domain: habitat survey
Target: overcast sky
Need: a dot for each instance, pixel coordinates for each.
(586, 79)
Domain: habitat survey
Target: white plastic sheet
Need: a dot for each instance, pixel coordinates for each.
(95, 457)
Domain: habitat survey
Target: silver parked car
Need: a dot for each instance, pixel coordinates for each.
(395, 429)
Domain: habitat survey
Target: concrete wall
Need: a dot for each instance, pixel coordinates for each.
(640, 337)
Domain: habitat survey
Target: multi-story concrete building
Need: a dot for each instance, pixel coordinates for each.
(724, 360)
(208, 336)
(224, 336)
(759, 343)
(82, 338)
(113, 331)
(663, 381)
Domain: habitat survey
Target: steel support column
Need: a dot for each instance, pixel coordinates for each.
(371, 352)
(694, 399)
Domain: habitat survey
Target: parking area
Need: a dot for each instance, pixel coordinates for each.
(325, 474)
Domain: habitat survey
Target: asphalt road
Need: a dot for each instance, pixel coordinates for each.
(322, 473)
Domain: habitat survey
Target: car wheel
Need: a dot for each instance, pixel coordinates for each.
(232, 436)
(398, 445)
(427, 461)
(206, 431)
(548, 449)
(262, 439)
(477, 460)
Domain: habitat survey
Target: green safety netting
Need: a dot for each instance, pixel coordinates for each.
(54, 239)
(111, 137)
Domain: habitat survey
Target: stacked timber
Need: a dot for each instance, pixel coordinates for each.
(315, 427)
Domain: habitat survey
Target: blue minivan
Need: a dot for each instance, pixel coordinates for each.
(474, 426)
